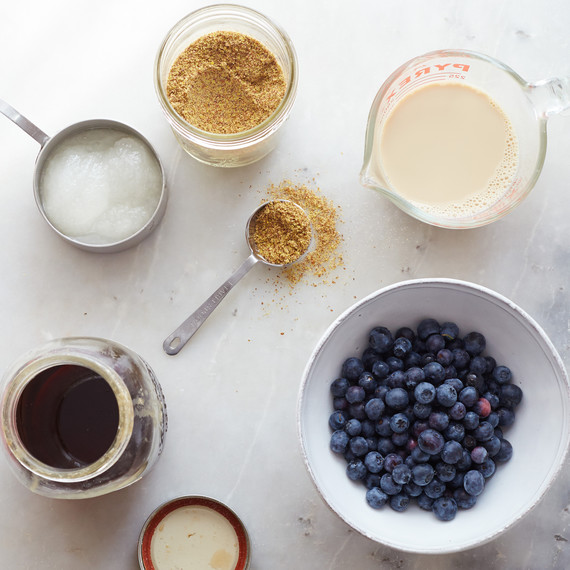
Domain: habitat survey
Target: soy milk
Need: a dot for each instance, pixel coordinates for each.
(448, 149)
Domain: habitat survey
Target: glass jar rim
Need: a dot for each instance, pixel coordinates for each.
(25, 375)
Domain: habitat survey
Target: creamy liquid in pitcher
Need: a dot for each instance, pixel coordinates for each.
(449, 149)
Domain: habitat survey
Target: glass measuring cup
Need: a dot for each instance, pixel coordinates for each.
(527, 106)
(49, 145)
(176, 341)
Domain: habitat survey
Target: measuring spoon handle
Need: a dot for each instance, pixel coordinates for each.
(174, 343)
(23, 123)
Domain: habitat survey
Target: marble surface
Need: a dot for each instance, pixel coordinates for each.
(232, 391)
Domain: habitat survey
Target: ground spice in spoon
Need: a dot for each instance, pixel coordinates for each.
(281, 232)
(225, 82)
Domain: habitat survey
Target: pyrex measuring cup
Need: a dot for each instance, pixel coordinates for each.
(527, 106)
(50, 144)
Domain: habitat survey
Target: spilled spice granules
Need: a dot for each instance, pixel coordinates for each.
(281, 232)
(326, 256)
(225, 82)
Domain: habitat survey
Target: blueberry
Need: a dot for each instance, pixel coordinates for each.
(401, 347)
(438, 420)
(475, 380)
(451, 372)
(493, 419)
(455, 382)
(457, 411)
(356, 470)
(427, 358)
(435, 343)
(400, 439)
(339, 441)
(396, 379)
(340, 404)
(400, 502)
(383, 428)
(381, 392)
(413, 377)
(491, 363)
(474, 343)
(374, 408)
(419, 456)
(352, 368)
(376, 498)
(399, 423)
(339, 387)
(385, 446)
(412, 360)
(356, 410)
(478, 365)
(487, 468)
(368, 429)
(391, 461)
(422, 474)
(434, 372)
(372, 480)
(434, 489)
(483, 432)
(446, 395)
(492, 446)
(353, 427)
(471, 420)
(505, 452)
(424, 393)
(445, 471)
(479, 454)
(412, 490)
(461, 358)
(422, 411)
(452, 452)
(474, 482)
(431, 441)
(445, 508)
(506, 417)
(502, 374)
(510, 396)
(482, 407)
(445, 357)
(380, 370)
(402, 474)
(469, 442)
(381, 339)
(395, 363)
(369, 357)
(374, 461)
(465, 462)
(427, 327)
(397, 399)
(424, 502)
(457, 481)
(418, 426)
(358, 445)
(463, 499)
(455, 431)
(449, 330)
(388, 485)
(337, 420)
(355, 394)
(367, 381)
(493, 399)
(406, 332)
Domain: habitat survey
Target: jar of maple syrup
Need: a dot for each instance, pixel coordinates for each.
(81, 417)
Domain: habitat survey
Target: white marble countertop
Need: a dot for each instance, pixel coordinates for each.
(232, 392)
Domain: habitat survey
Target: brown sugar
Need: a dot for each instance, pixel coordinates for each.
(225, 82)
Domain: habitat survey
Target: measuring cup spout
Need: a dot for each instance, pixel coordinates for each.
(551, 96)
(25, 124)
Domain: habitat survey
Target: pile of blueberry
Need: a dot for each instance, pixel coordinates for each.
(421, 415)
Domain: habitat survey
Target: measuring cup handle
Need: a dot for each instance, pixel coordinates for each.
(551, 96)
(23, 123)
(174, 343)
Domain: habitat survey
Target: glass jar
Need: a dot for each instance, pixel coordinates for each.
(81, 417)
(242, 148)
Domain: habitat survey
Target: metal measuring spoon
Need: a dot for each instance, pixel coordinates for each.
(176, 341)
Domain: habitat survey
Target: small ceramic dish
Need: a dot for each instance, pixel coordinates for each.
(540, 447)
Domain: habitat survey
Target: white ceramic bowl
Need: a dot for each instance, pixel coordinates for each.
(540, 447)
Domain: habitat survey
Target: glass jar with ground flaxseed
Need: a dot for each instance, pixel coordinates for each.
(238, 59)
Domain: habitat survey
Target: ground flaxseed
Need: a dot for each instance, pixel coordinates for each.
(225, 82)
(326, 256)
(281, 232)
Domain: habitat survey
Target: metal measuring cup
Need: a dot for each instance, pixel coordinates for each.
(49, 144)
(176, 341)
